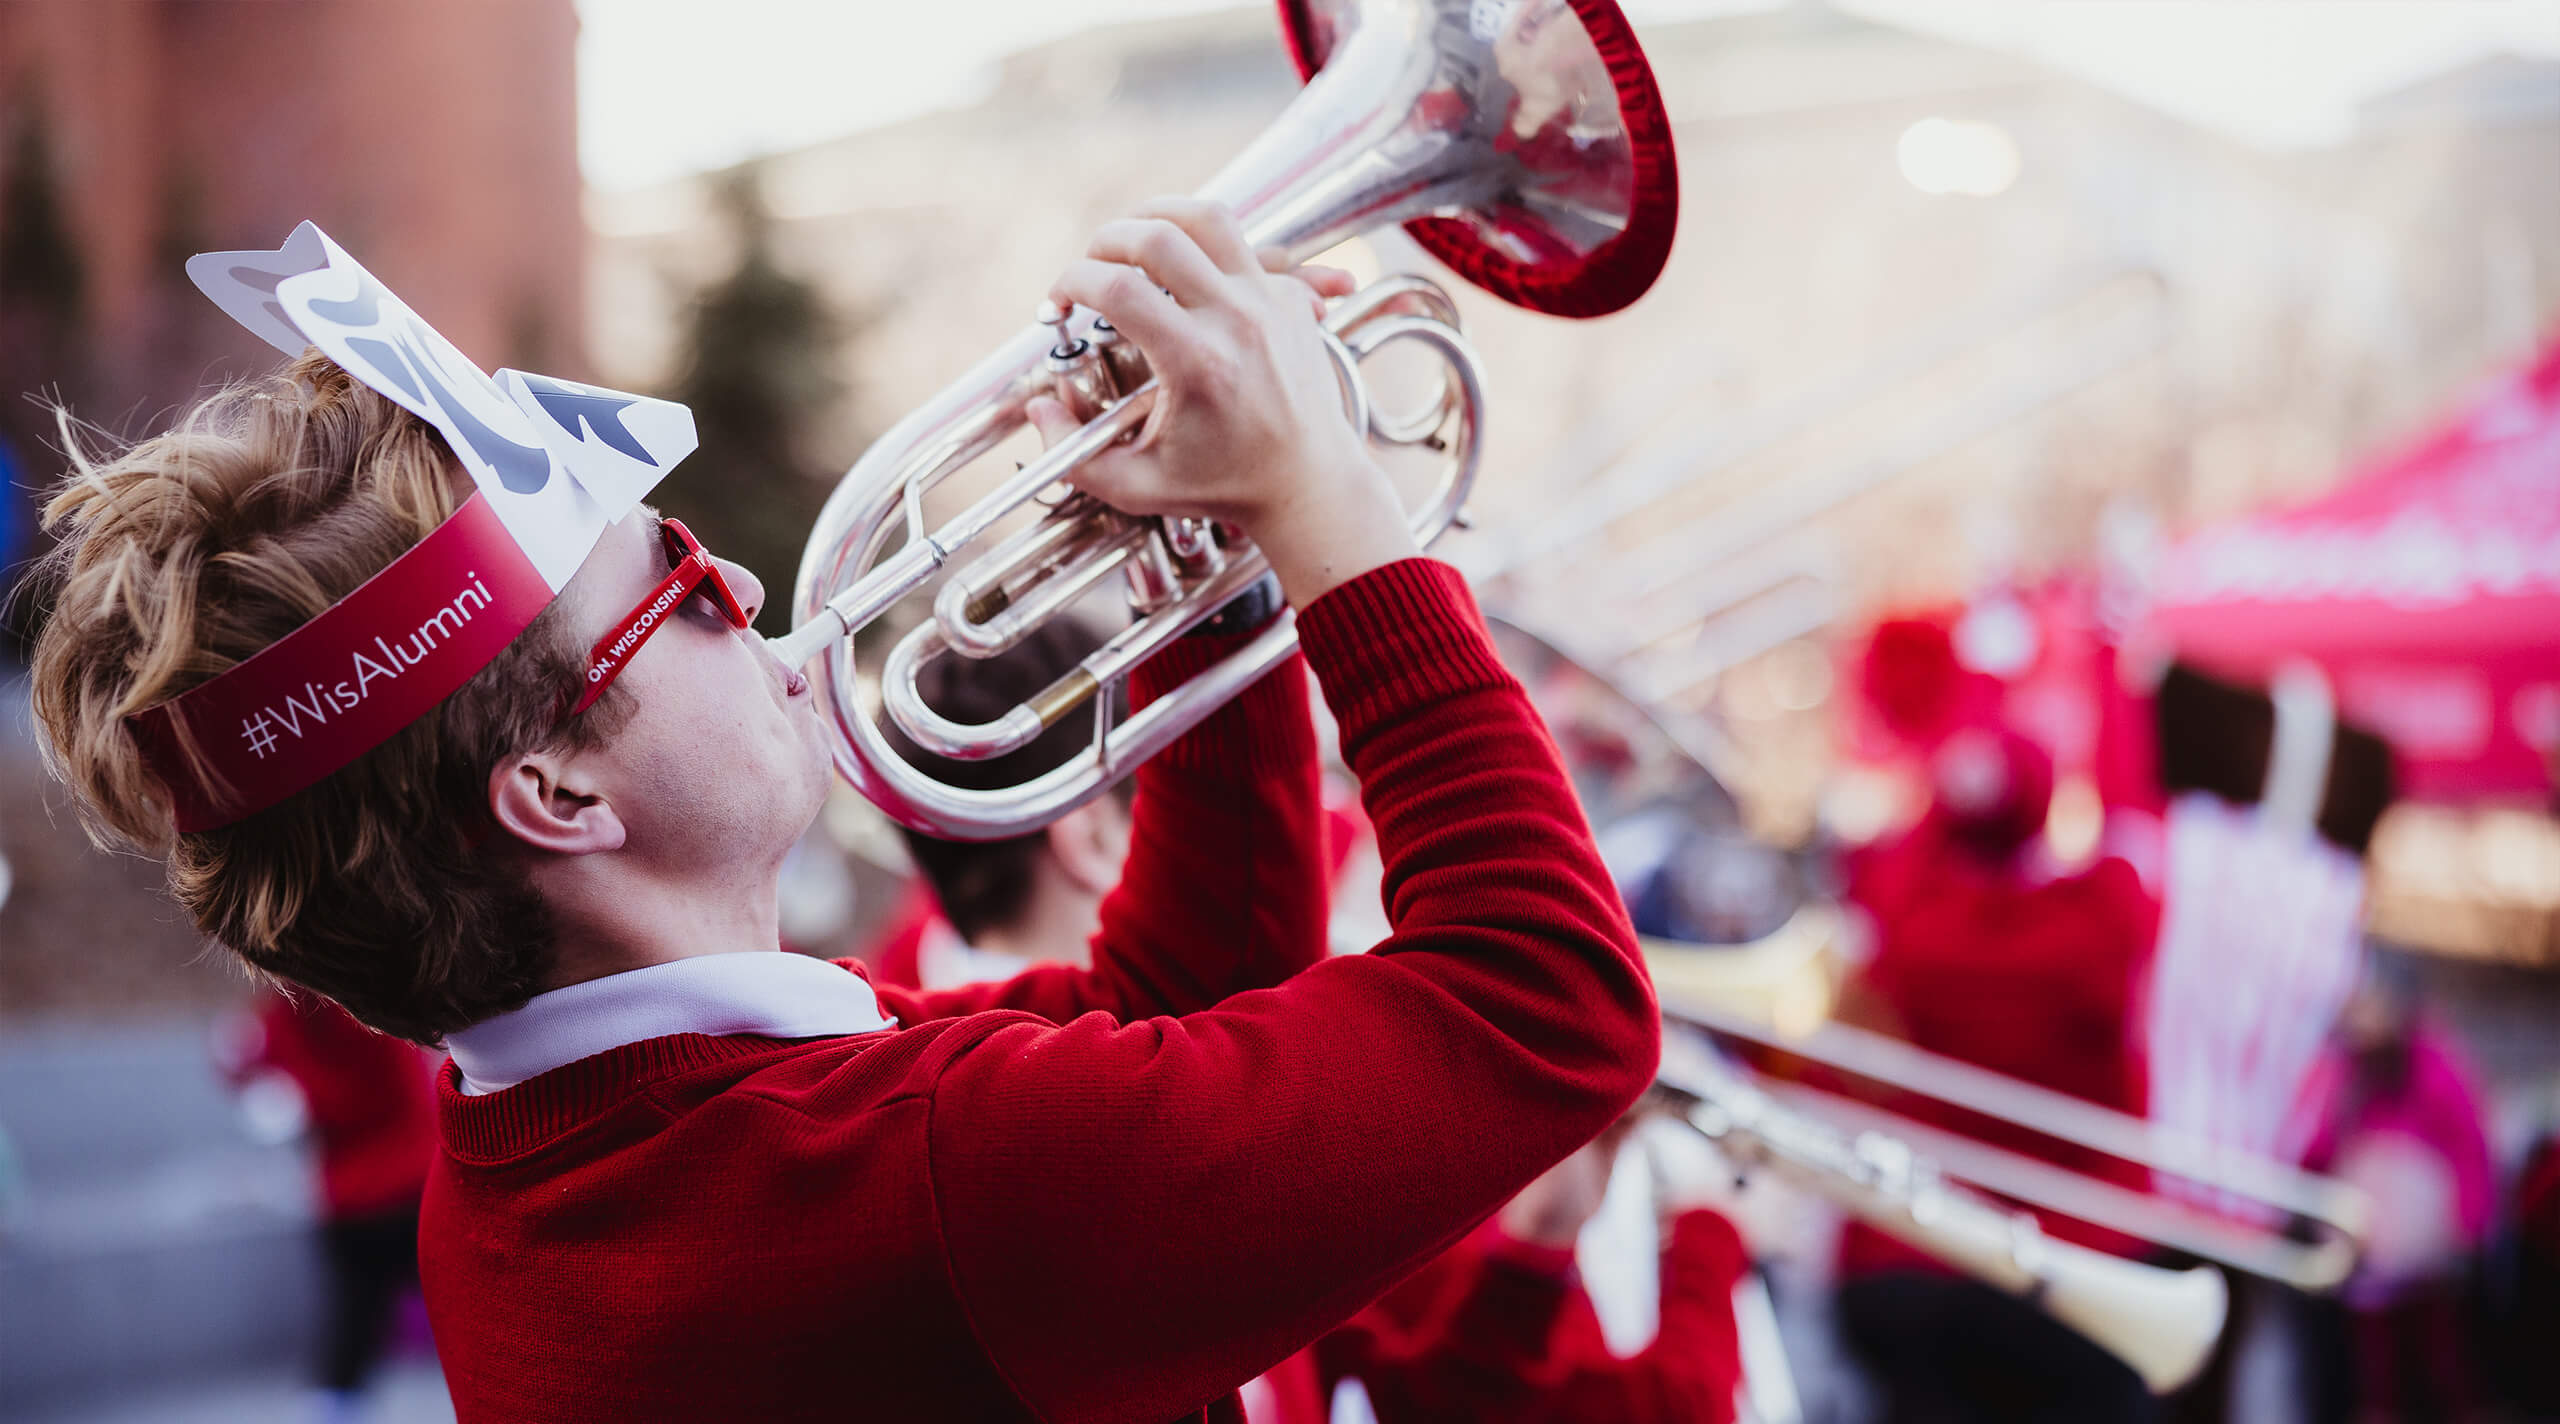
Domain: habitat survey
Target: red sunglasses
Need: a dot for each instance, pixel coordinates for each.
(690, 572)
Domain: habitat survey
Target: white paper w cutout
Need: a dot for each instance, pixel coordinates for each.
(558, 460)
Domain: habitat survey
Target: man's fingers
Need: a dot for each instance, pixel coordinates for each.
(1212, 226)
(1127, 298)
(1328, 281)
(1128, 480)
(1166, 253)
(1049, 416)
(1321, 284)
(1288, 288)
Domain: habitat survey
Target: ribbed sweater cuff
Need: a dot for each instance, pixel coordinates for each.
(1396, 639)
(1263, 731)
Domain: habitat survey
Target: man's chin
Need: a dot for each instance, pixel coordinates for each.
(820, 780)
(817, 759)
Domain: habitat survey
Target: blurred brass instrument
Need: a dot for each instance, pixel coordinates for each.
(2329, 1216)
(2162, 1323)
(1926, 1186)
(1525, 143)
(1666, 594)
(1942, 1193)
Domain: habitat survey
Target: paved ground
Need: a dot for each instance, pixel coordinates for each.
(407, 1394)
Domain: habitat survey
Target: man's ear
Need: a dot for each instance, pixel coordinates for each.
(1090, 842)
(541, 799)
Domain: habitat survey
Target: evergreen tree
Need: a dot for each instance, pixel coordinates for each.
(761, 352)
(41, 278)
(43, 348)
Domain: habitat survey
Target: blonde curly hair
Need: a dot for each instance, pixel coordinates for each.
(386, 885)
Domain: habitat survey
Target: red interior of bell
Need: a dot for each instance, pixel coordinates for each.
(1618, 271)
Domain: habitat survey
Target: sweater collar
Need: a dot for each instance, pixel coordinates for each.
(768, 995)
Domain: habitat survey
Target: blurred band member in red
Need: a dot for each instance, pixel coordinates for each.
(2399, 1114)
(1498, 1327)
(1007, 905)
(686, 1175)
(368, 1106)
(1981, 953)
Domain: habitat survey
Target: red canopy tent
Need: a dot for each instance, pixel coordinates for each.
(2427, 588)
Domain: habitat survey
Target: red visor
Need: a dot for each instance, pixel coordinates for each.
(348, 680)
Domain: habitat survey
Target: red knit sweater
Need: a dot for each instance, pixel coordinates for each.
(1112, 1194)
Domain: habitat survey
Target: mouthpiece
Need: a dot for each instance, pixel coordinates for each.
(794, 649)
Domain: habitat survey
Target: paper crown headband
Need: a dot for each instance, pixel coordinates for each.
(553, 462)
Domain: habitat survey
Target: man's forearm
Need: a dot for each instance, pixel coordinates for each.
(1318, 1139)
(1224, 889)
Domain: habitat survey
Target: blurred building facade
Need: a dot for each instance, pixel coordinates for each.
(436, 141)
(2139, 311)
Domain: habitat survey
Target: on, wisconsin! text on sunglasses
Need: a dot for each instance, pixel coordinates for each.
(690, 572)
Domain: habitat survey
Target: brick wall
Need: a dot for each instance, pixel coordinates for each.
(438, 142)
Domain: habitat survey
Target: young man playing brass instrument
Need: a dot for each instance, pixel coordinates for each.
(321, 647)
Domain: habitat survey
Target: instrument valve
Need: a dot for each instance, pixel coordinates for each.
(1078, 374)
(1068, 346)
(1128, 364)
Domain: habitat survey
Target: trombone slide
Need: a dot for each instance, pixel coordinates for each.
(2162, 1323)
(2337, 1212)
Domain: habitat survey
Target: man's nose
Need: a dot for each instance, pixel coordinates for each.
(748, 588)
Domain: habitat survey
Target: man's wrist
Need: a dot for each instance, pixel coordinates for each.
(1333, 532)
